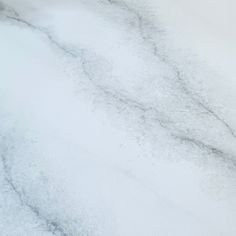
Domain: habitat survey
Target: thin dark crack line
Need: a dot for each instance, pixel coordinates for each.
(203, 106)
(122, 99)
(140, 20)
(226, 158)
(48, 35)
(53, 226)
(50, 225)
(144, 109)
(151, 41)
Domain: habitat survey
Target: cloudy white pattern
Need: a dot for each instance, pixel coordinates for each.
(109, 126)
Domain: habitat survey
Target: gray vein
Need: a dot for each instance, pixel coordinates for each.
(164, 58)
(48, 35)
(126, 100)
(223, 156)
(50, 225)
(53, 226)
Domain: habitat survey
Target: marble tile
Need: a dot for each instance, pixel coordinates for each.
(117, 118)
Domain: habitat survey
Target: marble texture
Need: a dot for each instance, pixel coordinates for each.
(109, 125)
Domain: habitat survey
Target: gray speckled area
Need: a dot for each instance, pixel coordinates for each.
(109, 126)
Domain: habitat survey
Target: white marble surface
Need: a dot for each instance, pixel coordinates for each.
(116, 120)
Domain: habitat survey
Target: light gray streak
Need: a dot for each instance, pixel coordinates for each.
(125, 100)
(51, 225)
